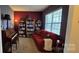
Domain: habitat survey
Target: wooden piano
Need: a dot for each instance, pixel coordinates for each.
(9, 37)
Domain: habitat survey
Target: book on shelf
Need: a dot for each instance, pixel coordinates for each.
(30, 29)
(29, 25)
(21, 24)
(21, 32)
(22, 35)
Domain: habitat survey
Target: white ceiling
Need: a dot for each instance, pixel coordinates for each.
(28, 7)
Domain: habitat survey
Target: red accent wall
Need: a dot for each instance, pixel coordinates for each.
(33, 15)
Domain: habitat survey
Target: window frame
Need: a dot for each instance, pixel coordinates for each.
(53, 18)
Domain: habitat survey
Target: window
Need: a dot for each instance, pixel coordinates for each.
(53, 21)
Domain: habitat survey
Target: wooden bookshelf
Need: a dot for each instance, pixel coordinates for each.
(22, 27)
(37, 25)
(27, 26)
(30, 27)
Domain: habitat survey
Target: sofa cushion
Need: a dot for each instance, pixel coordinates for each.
(39, 37)
(53, 36)
(42, 33)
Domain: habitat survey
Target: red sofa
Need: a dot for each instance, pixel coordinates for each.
(39, 36)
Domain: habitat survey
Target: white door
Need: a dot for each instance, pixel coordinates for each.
(0, 34)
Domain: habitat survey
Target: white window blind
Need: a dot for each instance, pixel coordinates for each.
(53, 21)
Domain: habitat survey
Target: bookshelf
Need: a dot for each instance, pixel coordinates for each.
(27, 26)
(30, 27)
(37, 25)
(22, 27)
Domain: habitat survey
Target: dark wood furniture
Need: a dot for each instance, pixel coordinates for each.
(9, 37)
(30, 27)
(27, 26)
(22, 27)
(37, 25)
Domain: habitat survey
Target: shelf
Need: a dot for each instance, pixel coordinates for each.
(21, 24)
(38, 25)
(21, 35)
(28, 26)
(22, 27)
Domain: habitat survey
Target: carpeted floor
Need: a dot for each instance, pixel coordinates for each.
(25, 45)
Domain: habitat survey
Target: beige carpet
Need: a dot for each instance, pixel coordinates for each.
(25, 45)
